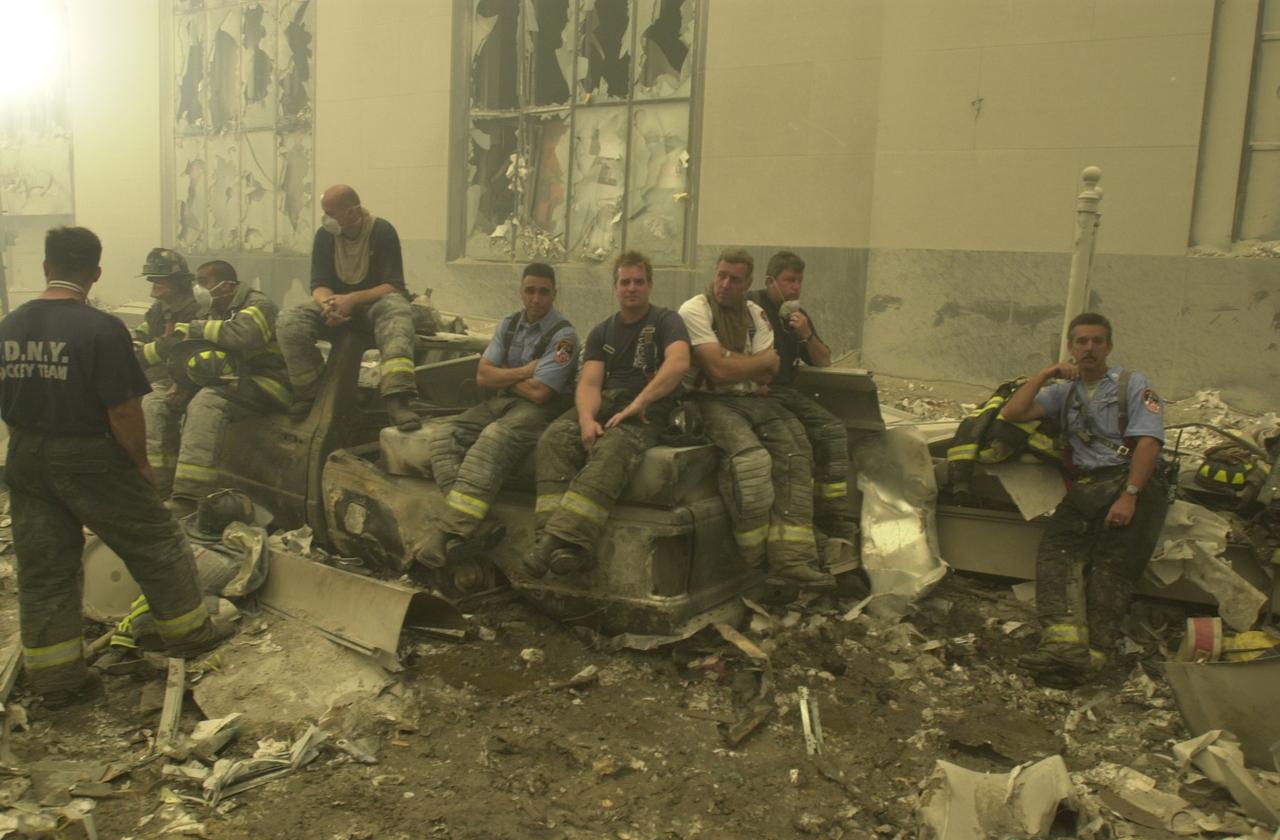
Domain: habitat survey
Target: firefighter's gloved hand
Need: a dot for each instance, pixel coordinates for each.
(195, 329)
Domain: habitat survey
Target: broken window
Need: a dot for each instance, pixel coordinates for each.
(243, 92)
(577, 150)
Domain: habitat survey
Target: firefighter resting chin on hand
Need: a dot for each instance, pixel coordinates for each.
(1110, 520)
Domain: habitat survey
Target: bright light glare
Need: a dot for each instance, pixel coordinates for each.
(30, 46)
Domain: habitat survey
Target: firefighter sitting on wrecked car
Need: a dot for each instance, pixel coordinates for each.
(1114, 510)
(530, 362)
(632, 367)
(175, 303)
(766, 477)
(226, 366)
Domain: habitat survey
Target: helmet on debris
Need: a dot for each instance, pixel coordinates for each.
(167, 264)
(1218, 474)
(197, 364)
(219, 509)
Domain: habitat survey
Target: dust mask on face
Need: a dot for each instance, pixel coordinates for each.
(330, 224)
(202, 296)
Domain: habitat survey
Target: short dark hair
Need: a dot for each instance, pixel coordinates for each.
(221, 269)
(737, 256)
(539, 270)
(1092, 319)
(628, 258)
(783, 260)
(72, 252)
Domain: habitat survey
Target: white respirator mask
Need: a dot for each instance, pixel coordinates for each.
(203, 296)
(330, 224)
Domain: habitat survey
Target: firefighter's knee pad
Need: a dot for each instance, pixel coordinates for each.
(751, 472)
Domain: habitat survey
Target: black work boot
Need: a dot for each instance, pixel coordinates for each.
(299, 409)
(536, 563)
(90, 690)
(402, 417)
(431, 552)
(461, 549)
(569, 558)
(210, 636)
(804, 576)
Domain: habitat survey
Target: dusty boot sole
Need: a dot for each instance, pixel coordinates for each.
(827, 584)
(570, 560)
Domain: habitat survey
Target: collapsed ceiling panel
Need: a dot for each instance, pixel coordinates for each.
(657, 198)
(192, 207)
(295, 61)
(257, 66)
(549, 40)
(494, 45)
(599, 181)
(542, 232)
(189, 40)
(665, 46)
(257, 194)
(223, 68)
(294, 193)
(604, 50)
(222, 180)
(494, 174)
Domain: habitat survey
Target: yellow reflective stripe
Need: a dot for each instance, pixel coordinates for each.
(791, 533)
(833, 490)
(277, 391)
(197, 472)
(51, 656)
(1064, 634)
(260, 319)
(963, 452)
(1039, 441)
(211, 330)
(547, 502)
(183, 625)
(142, 331)
(469, 505)
(301, 379)
(994, 402)
(751, 537)
(586, 508)
(151, 353)
(162, 460)
(397, 364)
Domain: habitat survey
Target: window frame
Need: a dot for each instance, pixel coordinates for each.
(462, 114)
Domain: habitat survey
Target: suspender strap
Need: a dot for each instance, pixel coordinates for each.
(1091, 430)
(509, 334)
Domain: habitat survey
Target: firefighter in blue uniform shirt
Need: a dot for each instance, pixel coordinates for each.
(530, 364)
(1114, 509)
(71, 395)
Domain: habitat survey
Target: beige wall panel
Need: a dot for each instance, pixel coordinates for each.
(418, 206)
(844, 98)
(753, 111)
(932, 25)
(925, 100)
(753, 32)
(1147, 198)
(1039, 22)
(115, 107)
(417, 131)
(818, 200)
(997, 201)
(1132, 92)
(1142, 18)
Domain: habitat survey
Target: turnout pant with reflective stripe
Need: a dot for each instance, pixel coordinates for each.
(194, 456)
(1085, 571)
(59, 485)
(392, 319)
(474, 452)
(832, 514)
(577, 488)
(766, 478)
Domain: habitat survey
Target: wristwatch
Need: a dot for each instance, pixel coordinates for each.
(1132, 489)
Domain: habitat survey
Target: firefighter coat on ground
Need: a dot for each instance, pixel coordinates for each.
(185, 455)
(766, 476)
(832, 514)
(474, 452)
(1089, 612)
(343, 266)
(157, 325)
(65, 472)
(577, 489)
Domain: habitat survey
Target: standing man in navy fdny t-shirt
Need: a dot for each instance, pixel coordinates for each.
(1114, 508)
(70, 392)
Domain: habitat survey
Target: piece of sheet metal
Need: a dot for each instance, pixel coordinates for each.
(109, 589)
(368, 612)
(1236, 696)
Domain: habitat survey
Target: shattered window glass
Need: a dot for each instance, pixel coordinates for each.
(244, 88)
(579, 129)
